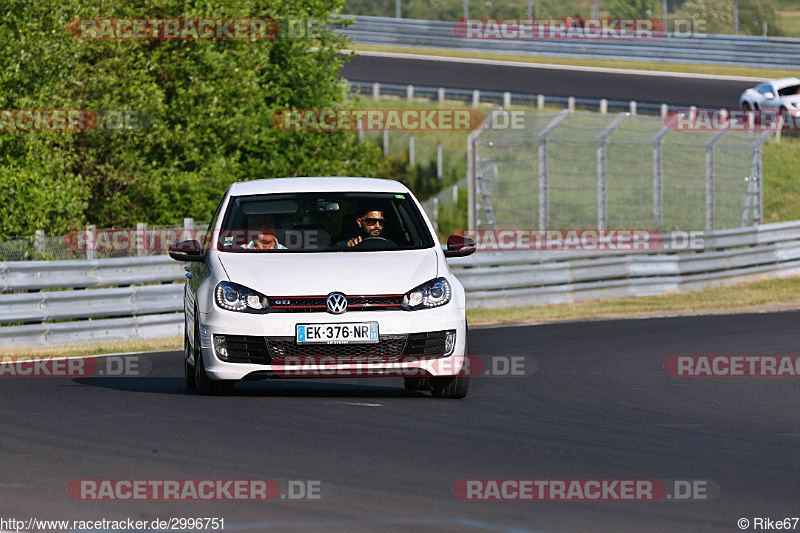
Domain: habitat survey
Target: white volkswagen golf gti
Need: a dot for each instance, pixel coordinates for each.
(323, 277)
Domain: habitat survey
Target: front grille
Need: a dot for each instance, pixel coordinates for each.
(366, 302)
(266, 350)
(316, 304)
(389, 345)
(247, 349)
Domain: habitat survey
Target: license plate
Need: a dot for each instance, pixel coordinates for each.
(349, 333)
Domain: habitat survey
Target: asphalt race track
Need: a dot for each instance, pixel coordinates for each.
(713, 93)
(598, 406)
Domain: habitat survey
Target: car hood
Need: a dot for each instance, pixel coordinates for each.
(317, 274)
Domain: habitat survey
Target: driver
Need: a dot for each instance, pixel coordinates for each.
(370, 223)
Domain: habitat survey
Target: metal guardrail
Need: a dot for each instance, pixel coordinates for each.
(91, 303)
(523, 278)
(148, 311)
(78, 332)
(38, 275)
(775, 52)
(505, 98)
(491, 279)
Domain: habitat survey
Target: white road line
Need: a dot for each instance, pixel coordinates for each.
(606, 70)
(358, 403)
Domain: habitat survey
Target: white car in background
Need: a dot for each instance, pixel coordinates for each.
(777, 95)
(278, 276)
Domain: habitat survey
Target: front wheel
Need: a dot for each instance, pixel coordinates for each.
(455, 387)
(417, 383)
(188, 370)
(207, 386)
(784, 114)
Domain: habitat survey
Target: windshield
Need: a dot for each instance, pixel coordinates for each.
(323, 222)
(790, 90)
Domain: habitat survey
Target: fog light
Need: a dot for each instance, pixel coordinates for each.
(221, 347)
(449, 342)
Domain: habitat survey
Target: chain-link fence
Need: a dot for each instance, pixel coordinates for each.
(447, 209)
(591, 170)
(99, 243)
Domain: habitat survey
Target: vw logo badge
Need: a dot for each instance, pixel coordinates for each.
(337, 303)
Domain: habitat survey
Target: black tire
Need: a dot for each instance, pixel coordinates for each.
(746, 107)
(188, 370)
(207, 386)
(455, 387)
(417, 383)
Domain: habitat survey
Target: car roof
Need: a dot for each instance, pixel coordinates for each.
(780, 83)
(316, 184)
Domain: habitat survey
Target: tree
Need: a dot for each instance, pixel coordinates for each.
(632, 9)
(209, 105)
(718, 15)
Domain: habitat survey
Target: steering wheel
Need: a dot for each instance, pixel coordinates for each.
(373, 243)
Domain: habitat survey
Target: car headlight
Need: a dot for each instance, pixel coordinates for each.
(432, 293)
(235, 297)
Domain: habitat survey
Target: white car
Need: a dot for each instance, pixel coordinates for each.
(344, 273)
(778, 95)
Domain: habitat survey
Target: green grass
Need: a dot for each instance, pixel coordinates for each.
(98, 348)
(782, 180)
(790, 22)
(763, 295)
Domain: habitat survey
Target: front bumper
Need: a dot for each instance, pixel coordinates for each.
(270, 340)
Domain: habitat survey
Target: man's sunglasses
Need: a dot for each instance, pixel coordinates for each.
(372, 221)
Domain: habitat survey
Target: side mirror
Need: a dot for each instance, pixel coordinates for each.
(187, 251)
(459, 246)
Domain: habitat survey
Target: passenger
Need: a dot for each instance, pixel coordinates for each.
(262, 234)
